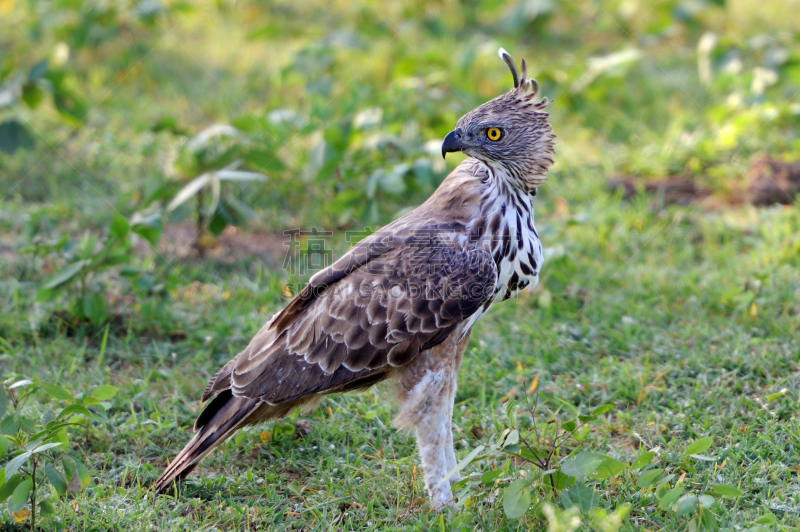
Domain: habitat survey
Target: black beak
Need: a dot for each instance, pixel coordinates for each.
(452, 142)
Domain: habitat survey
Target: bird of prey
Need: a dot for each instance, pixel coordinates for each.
(401, 303)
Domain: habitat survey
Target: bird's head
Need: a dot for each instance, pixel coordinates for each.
(510, 133)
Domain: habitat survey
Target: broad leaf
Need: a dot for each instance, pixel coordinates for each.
(3, 401)
(104, 392)
(698, 446)
(75, 409)
(239, 175)
(189, 191)
(490, 476)
(148, 226)
(13, 136)
(642, 460)
(69, 272)
(9, 486)
(46, 508)
(609, 468)
(20, 384)
(581, 464)
(56, 391)
(119, 226)
(600, 410)
(584, 497)
(517, 499)
(670, 497)
(46, 446)
(648, 478)
(727, 491)
(20, 496)
(15, 463)
(687, 504)
(57, 480)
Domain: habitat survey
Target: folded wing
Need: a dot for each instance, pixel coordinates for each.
(391, 297)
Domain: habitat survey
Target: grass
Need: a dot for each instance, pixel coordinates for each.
(685, 318)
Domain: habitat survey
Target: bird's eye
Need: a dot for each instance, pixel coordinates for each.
(494, 133)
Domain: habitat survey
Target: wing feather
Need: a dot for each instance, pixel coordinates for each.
(376, 308)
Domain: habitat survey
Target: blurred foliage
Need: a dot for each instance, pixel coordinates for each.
(344, 104)
(35, 443)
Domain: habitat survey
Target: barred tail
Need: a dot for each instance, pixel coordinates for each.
(218, 420)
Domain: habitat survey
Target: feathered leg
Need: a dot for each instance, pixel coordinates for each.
(427, 388)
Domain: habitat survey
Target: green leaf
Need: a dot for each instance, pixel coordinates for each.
(32, 94)
(70, 470)
(13, 136)
(57, 480)
(648, 478)
(708, 520)
(67, 102)
(698, 446)
(104, 392)
(670, 498)
(600, 410)
(581, 464)
(559, 480)
(15, 463)
(516, 499)
(83, 473)
(11, 484)
(56, 391)
(584, 497)
(706, 501)
(3, 446)
(20, 496)
(776, 395)
(46, 446)
(46, 508)
(766, 519)
(68, 273)
(727, 491)
(38, 70)
(10, 424)
(148, 227)
(75, 409)
(490, 476)
(569, 426)
(119, 226)
(642, 460)
(3, 401)
(687, 504)
(512, 438)
(609, 468)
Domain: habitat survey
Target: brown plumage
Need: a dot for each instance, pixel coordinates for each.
(401, 303)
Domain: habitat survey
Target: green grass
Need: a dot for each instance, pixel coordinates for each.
(685, 318)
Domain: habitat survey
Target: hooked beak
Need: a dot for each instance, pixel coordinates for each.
(452, 142)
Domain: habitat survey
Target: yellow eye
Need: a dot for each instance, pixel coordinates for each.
(494, 133)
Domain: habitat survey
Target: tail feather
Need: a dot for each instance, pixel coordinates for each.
(218, 421)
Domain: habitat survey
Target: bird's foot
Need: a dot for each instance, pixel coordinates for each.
(441, 497)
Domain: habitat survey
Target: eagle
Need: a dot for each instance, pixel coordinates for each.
(400, 305)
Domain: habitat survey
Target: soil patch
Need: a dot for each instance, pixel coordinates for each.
(772, 181)
(231, 245)
(678, 189)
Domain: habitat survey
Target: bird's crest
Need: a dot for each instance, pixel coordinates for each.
(525, 88)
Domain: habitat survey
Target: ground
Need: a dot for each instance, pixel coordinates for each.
(682, 315)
